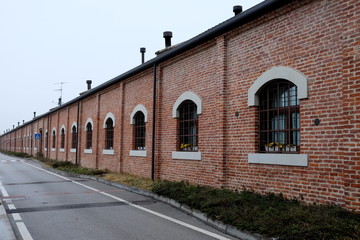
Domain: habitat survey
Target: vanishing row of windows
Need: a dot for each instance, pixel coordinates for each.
(279, 122)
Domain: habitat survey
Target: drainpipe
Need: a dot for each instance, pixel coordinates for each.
(153, 127)
(48, 138)
(78, 127)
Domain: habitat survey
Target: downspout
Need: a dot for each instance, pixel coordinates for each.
(48, 139)
(77, 132)
(153, 127)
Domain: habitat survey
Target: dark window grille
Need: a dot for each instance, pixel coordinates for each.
(62, 140)
(53, 139)
(109, 134)
(88, 136)
(279, 116)
(74, 137)
(139, 131)
(188, 126)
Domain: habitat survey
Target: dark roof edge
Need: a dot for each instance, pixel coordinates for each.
(236, 21)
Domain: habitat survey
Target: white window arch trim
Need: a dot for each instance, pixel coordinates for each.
(138, 108)
(109, 115)
(72, 126)
(278, 72)
(89, 120)
(189, 95)
(63, 127)
(301, 81)
(52, 132)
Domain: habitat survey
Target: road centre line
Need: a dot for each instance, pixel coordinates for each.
(203, 231)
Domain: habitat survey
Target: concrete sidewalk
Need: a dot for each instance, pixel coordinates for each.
(6, 231)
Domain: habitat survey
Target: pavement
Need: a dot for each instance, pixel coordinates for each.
(6, 231)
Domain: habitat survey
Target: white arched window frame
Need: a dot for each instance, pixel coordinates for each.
(138, 108)
(89, 135)
(53, 139)
(73, 140)
(189, 95)
(109, 115)
(46, 145)
(62, 138)
(74, 124)
(89, 120)
(301, 81)
(112, 117)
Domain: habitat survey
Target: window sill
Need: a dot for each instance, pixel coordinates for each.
(62, 150)
(108, 152)
(53, 149)
(87, 150)
(73, 150)
(138, 153)
(300, 160)
(187, 155)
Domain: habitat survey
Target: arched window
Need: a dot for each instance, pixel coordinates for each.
(279, 117)
(277, 94)
(109, 134)
(53, 139)
(188, 126)
(89, 136)
(46, 139)
(62, 138)
(74, 137)
(139, 131)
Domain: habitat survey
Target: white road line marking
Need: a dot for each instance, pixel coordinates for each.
(16, 216)
(24, 231)
(11, 206)
(21, 226)
(214, 235)
(3, 190)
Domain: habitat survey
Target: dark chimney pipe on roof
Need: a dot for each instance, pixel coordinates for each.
(237, 9)
(34, 114)
(167, 35)
(143, 51)
(88, 82)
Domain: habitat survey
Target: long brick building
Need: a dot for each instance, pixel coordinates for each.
(267, 100)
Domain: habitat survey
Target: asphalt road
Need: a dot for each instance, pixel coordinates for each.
(44, 205)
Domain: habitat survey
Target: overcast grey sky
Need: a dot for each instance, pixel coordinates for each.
(44, 42)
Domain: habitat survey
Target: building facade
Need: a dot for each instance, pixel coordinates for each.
(268, 100)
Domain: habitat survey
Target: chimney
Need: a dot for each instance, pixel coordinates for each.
(237, 9)
(142, 50)
(34, 114)
(167, 35)
(18, 124)
(88, 82)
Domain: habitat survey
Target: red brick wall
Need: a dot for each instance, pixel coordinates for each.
(318, 38)
(137, 90)
(89, 109)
